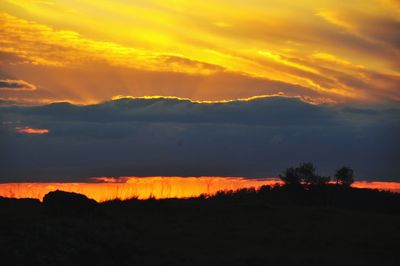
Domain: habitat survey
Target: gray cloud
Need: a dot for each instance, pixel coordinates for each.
(147, 137)
(18, 85)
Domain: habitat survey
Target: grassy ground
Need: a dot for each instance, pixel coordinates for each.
(227, 230)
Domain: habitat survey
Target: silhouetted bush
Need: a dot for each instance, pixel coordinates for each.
(319, 181)
(264, 189)
(27, 202)
(290, 176)
(344, 176)
(61, 202)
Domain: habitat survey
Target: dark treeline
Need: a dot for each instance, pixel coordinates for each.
(305, 175)
(300, 194)
(303, 222)
(327, 195)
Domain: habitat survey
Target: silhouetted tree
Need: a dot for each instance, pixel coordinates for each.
(303, 174)
(306, 173)
(290, 176)
(344, 176)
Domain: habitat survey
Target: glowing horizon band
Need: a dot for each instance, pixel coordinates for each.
(157, 187)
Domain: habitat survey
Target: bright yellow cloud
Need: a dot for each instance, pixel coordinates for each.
(42, 45)
(335, 50)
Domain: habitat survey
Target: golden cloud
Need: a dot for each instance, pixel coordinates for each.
(191, 49)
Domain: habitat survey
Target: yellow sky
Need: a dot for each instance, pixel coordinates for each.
(90, 51)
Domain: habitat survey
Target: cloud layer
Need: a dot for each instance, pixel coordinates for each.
(61, 63)
(150, 137)
(87, 53)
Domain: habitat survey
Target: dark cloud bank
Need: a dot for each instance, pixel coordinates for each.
(146, 137)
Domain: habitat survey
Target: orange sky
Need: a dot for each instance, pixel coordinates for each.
(158, 187)
(90, 51)
(143, 188)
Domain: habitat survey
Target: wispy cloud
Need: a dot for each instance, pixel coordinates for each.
(29, 130)
(17, 85)
(332, 51)
(42, 45)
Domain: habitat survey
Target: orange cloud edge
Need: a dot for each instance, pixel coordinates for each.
(108, 188)
(30, 130)
(306, 99)
(247, 99)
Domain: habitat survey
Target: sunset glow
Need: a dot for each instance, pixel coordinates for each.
(195, 88)
(157, 187)
(391, 186)
(143, 188)
(90, 51)
(199, 127)
(29, 130)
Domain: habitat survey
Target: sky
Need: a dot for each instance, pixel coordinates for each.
(173, 137)
(194, 88)
(90, 51)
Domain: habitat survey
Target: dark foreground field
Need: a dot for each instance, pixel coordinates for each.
(281, 226)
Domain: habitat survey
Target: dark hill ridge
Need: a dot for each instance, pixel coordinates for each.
(274, 226)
